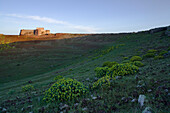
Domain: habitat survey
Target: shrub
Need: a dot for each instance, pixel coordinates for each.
(158, 57)
(65, 89)
(103, 82)
(125, 58)
(136, 58)
(163, 52)
(27, 88)
(109, 64)
(101, 71)
(152, 51)
(138, 63)
(149, 55)
(58, 77)
(11, 92)
(126, 61)
(122, 69)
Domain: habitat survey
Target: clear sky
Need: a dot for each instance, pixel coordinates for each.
(83, 16)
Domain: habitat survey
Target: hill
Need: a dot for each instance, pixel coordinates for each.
(37, 62)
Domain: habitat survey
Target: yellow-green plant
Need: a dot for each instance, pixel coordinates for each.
(65, 89)
(149, 55)
(58, 77)
(122, 70)
(158, 57)
(101, 71)
(103, 82)
(27, 88)
(125, 58)
(109, 64)
(138, 63)
(135, 58)
(163, 52)
(152, 51)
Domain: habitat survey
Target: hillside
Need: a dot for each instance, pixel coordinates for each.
(36, 62)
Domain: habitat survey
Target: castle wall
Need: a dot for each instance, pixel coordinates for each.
(27, 32)
(38, 31)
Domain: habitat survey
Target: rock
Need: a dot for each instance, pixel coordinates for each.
(30, 106)
(133, 100)
(94, 98)
(123, 98)
(87, 79)
(118, 77)
(166, 90)
(150, 90)
(4, 110)
(76, 104)
(65, 106)
(95, 78)
(0, 108)
(147, 110)
(31, 112)
(141, 100)
(22, 109)
(84, 109)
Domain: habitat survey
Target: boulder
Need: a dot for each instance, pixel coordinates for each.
(141, 100)
(147, 110)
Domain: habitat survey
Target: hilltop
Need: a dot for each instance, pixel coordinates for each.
(28, 62)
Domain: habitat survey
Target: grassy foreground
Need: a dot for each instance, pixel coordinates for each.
(36, 63)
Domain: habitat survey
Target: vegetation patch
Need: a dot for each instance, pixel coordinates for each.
(101, 71)
(103, 82)
(135, 58)
(163, 52)
(149, 55)
(158, 57)
(138, 63)
(122, 70)
(65, 89)
(109, 64)
(27, 88)
(58, 77)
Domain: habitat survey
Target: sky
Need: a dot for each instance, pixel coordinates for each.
(83, 16)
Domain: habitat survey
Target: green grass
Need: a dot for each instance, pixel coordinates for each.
(77, 58)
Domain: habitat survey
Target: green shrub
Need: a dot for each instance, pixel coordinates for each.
(58, 77)
(126, 61)
(125, 58)
(103, 82)
(101, 71)
(138, 63)
(168, 48)
(122, 70)
(65, 89)
(158, 57)
(152, 51)
(136, 58)
(109, 64)
(163, 52)
(27, 88)
(149, 55)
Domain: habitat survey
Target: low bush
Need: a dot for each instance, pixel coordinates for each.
(125, 58)
(149, 55)
(101, 71)
(135, 58)
(138, 63)
(27, 88)
(109, 64)
(65, 89)
(126, 61)
(158, 57)
(122, 70)
(152, 51)
(103, 82)
(163, 52)
(58, 77)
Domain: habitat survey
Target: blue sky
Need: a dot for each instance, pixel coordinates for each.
(83, 16)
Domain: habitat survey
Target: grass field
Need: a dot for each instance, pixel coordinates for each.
(37, 62)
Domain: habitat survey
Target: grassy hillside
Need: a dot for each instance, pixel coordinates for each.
(37, 62)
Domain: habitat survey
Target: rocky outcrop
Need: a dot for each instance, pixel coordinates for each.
(157, 30)
(167, 32)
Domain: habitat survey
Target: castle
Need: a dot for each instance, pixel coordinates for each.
(37, 32)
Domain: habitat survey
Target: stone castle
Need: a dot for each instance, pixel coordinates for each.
(37, 32)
